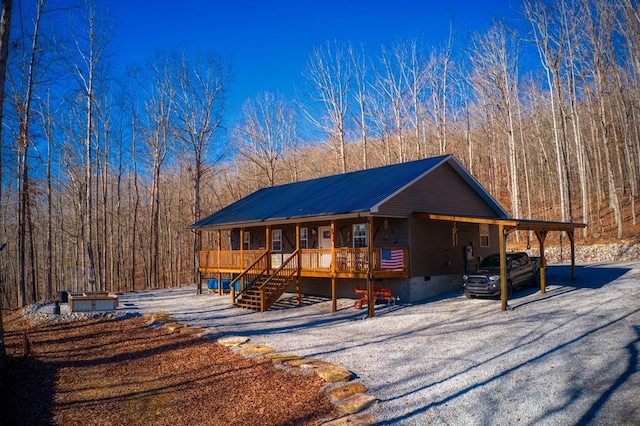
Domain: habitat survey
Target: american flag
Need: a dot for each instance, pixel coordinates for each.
(391, 259)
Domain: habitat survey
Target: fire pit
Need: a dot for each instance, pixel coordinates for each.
(92, 301)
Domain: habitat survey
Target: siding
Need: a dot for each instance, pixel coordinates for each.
(433, 253)
(441, 191)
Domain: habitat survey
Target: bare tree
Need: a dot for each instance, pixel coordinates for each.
(91, 38)
(5, 29)
(494, 58)
(329, 74)
(550, 46)
(263, 135)
(360, 69)
(203, 82)
(160, 112)
(390, 85)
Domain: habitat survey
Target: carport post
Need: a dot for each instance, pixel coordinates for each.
(542, 235)
(503, 267)
(370, 289)
(573, 254)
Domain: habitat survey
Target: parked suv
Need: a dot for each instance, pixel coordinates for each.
(521, 270)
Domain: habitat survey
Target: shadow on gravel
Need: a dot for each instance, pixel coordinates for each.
(632, 368)
(590, 276)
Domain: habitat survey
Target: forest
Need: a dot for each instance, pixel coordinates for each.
(102, 170)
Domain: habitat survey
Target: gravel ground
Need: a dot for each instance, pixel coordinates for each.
(569, 356)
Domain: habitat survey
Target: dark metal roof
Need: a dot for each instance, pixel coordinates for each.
(348, 193)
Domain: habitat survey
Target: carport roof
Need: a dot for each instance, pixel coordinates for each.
(509, 224)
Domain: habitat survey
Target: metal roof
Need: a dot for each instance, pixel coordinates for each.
(349, 193)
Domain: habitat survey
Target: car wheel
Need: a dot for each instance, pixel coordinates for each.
(469, 296)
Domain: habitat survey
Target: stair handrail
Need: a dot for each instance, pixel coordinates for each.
(266, 302)
(250, 270)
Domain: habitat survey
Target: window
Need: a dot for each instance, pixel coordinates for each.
(247, 240)
(360, 235)
(484, 235)
(276, 240)
(304, 238)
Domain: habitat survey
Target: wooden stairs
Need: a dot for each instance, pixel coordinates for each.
(265, 288)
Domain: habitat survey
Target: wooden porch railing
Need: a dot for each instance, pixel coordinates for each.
(249, 277)
(347, 260)
(278, 282)
(229, 258)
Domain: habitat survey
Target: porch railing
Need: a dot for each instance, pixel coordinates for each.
(229, 258)
(347, 260)
(249, 277)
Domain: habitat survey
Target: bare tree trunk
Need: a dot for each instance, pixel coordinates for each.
(5, 27)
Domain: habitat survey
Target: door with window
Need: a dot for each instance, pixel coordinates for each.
(324, 242)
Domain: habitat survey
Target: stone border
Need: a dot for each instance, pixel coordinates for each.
(349, 398)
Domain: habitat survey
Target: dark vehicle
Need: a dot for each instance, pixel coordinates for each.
(522, 271)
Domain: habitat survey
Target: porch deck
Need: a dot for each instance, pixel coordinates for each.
(386, 262)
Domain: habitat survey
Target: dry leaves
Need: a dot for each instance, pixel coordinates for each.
(125, 372)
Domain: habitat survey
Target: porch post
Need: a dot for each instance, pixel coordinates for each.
(242, 248)
(334, 283)
(543, 262)
(370, 287)
(218, 274)
(573, 254)
(298, 260)
(267, 245)
(503, 267)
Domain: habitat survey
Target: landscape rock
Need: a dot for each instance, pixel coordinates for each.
(348, 390)
(278, 358)
(231, 341)
(360, 419)
(192, 330)
(334, 373)
(356, 403)
(253, 350)
(174, 326)
(306, 363)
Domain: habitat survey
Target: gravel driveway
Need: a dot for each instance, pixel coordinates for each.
(569, 356)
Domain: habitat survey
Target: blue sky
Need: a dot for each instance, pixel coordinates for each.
(269, 42)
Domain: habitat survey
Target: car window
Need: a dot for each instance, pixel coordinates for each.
(490, 262)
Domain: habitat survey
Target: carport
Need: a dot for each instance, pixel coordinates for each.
(505, 227)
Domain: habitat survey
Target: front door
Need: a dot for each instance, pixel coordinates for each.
(324, 242)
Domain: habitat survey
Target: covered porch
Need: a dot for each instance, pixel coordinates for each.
(246, 267)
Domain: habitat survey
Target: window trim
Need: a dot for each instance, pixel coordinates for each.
(304, 237)
(274, 240)
(357, 236)
(246, 243)
(484, 235)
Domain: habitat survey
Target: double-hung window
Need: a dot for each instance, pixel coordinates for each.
(304, 238)
(360, 235)
(276, 240)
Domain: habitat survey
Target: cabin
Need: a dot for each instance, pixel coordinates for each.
(412, 229)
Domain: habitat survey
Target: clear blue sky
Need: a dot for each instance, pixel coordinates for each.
(269, 41)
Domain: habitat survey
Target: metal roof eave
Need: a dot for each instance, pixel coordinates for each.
(284, 221)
